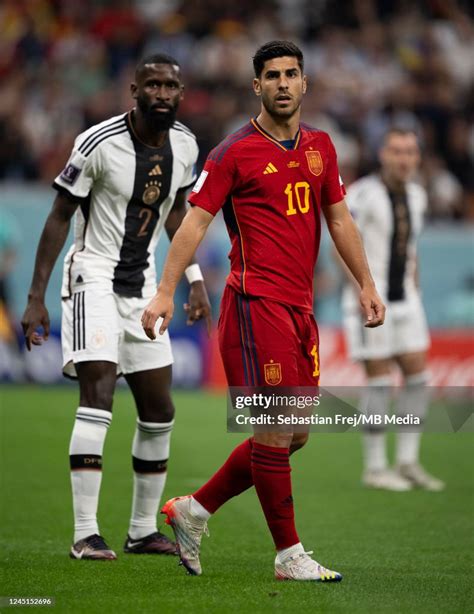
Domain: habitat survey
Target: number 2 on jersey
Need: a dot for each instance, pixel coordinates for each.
(302, 191)
(147, 214)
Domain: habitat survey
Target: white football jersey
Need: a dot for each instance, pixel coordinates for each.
(389, 224)
(126, 190)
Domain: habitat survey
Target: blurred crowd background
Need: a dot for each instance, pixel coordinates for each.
(65, 65)
(68, 64)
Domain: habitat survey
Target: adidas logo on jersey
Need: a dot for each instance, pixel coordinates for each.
(156, 170)
(270, 169)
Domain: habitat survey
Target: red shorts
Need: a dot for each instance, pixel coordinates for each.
(263, 342)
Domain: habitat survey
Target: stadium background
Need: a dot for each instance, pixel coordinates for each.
(65, 65)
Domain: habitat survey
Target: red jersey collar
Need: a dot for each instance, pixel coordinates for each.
(268, 136)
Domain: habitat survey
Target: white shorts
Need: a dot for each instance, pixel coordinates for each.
(404, 331)
(98, 324)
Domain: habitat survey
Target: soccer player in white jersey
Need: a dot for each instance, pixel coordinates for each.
(125, 182)
(388, 208)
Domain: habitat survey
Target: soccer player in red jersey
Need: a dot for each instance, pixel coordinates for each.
(272, 178)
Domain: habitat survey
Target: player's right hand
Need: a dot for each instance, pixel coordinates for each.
(36, 316)
(372, 307)
(160, 306)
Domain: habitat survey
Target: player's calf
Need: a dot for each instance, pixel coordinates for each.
(299, 441)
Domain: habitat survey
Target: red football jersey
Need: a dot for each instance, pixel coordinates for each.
(271, 198)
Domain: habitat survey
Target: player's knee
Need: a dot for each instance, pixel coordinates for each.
(298, 441)
(161, 409)
(96, 384)
(97, 397)
(165, 411)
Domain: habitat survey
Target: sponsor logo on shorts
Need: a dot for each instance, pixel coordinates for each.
(98, 339)
(272, 371)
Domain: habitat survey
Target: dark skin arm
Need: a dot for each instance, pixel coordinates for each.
(198, 306)
(52, 241)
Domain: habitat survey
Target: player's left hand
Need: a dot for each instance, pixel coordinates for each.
(372, 307)
(198, 307)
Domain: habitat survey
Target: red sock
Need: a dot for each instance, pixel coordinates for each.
(272, 479)
(233, 477)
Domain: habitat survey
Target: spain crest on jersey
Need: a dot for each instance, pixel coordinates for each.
(315, 162)
(272, 373)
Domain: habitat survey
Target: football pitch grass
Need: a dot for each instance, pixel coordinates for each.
(398, 552)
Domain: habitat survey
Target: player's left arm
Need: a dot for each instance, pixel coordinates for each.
(349, 245)
(198, 306)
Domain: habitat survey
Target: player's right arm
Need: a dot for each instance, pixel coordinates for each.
(52, 241)
(355, 203)
(348, 242)
(207, 197)
(183, 247)
(73, 184)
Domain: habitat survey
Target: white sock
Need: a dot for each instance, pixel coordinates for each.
(85, 456)
(150, 453)
(413, 399)
(375, 400)
(375, 451)
(285, 554)
(199, 511)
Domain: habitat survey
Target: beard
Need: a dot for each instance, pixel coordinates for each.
(155, 120)
(276, 112)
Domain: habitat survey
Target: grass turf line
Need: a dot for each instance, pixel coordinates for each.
(398, 552)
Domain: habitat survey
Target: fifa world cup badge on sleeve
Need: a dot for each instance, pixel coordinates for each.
(70, 174)
(315, 162)
(272, 372)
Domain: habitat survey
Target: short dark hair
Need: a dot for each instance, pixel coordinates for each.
(399, 131)
(155, 58)
(276, 49)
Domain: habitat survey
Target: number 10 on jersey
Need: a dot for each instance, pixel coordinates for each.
(299, 192)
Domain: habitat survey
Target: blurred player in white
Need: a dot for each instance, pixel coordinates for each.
(124, 184)
(388, 208)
